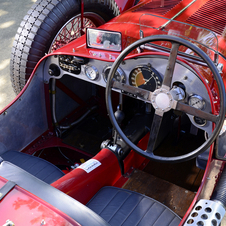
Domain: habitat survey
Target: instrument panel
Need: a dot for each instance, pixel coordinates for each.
(146, 72)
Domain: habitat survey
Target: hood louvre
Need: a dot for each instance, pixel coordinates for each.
(212, 15)
(156, 7)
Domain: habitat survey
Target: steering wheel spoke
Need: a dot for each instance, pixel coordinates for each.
(155, 127)
(196, 112)
(171, 65)
(132, 91)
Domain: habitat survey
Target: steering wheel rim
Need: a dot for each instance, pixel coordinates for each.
(219, 118)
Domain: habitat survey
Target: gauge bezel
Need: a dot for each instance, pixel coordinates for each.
(198, 97)
(94, 69)
(157, 75)
(203, 124)
(119, 70)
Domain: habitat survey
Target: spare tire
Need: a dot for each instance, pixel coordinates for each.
(48, 25)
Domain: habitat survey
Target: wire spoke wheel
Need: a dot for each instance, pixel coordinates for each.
(71, 31)
(48, 26)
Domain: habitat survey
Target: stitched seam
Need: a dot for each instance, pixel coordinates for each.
(145, 213)
(15, 156)
(109, 202)
(41, 170)
(132, 210)
(172, 220)
(52, 173)
(119, 208)
(159, 216)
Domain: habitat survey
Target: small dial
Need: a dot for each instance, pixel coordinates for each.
(199, 121)
(119, 75)
(196, 101)
(91, 72)
(145, 77)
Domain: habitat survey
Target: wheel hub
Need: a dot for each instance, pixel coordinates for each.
(162, 100)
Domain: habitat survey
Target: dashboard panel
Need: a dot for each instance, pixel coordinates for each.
(145, 72)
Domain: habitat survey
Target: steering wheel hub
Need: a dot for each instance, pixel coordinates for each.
(162, 100)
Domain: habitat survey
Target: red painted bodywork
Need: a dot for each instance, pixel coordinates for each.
(82, 186)
(128, 25)
(124, 5)
(18, 201)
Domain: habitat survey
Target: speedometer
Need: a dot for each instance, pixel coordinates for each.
(145, 77)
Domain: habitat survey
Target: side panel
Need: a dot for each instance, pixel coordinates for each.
(25, 119)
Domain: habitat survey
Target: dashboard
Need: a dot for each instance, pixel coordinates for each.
(145, 72)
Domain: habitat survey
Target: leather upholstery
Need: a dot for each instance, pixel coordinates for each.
(38, 167)
(123, 207)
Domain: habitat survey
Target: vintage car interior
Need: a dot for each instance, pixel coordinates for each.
(122, 130)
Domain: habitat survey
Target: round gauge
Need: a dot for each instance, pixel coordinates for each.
(196, 101)
(146, 78)
(199, 121)
(119, 74)
(91, 72)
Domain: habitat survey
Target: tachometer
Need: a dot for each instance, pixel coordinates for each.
(145, 77)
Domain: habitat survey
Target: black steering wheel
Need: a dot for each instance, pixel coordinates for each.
(162, 100)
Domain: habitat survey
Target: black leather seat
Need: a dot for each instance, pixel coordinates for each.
(38, 167)
(123, 207)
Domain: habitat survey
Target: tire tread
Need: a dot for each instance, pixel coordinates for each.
(36, 30)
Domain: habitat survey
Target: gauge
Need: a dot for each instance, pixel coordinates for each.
(91, 72)
(119, 74)
(145, 77)
(199, 121)
(196, 101)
